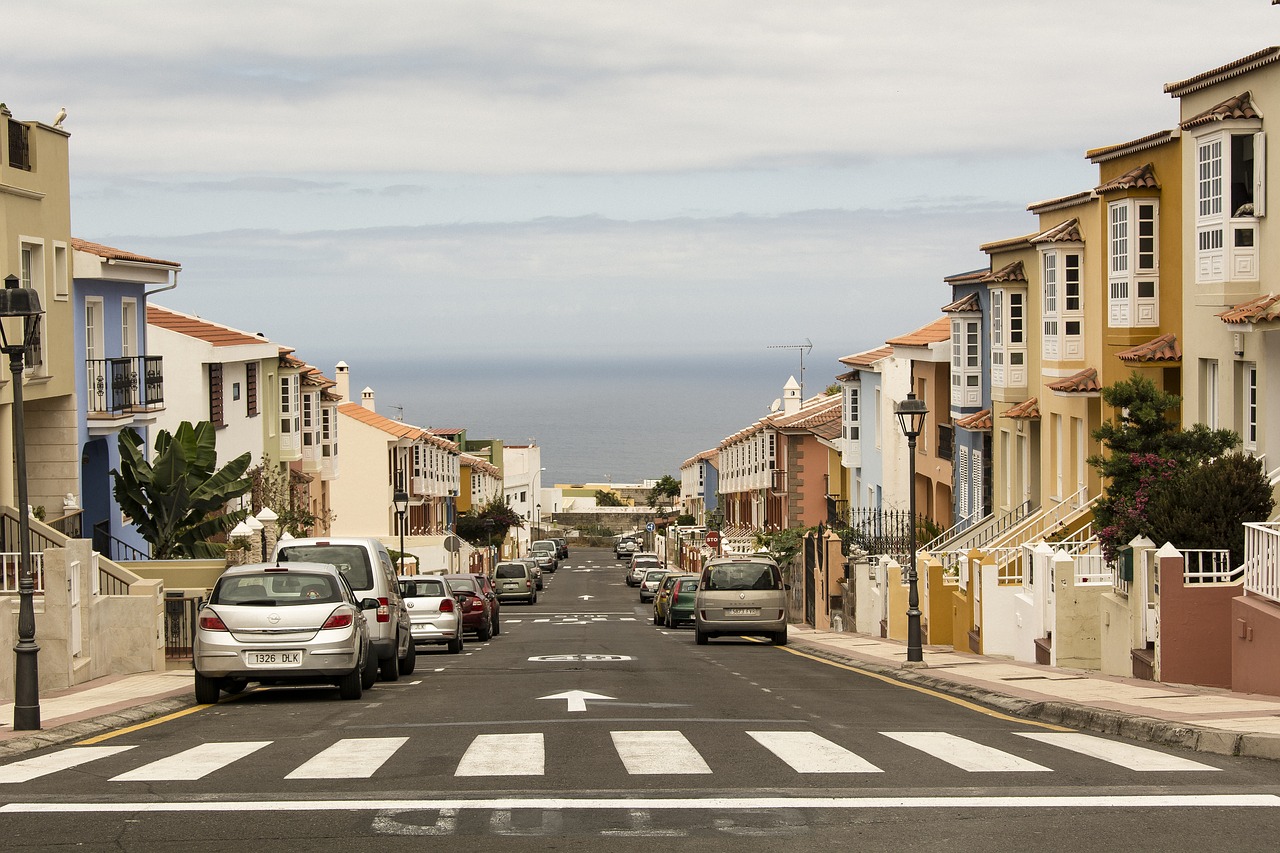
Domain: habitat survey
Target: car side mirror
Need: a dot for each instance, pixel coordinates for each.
(368, 604)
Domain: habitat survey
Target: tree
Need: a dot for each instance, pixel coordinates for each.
(1205, 506)
(488, 525)
(605, 497)
(782, 546)
(664, 492)
(1145, 447)
(178, 499)
(273, 486)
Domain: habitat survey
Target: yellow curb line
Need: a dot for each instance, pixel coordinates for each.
(929, 692)
(157, 721)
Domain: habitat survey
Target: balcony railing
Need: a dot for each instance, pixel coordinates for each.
(1262, 559)
(125, 385)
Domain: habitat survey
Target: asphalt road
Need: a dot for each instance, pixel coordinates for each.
(585, 727)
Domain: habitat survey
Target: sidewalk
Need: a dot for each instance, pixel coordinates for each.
(96, 707)
(1199, 718)
(1204, 719)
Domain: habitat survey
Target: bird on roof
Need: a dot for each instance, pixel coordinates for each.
(60, 117)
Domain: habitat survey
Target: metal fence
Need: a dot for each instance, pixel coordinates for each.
(180, 615)
(885, 532)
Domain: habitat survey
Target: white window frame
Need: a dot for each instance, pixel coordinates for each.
(61, 279)
(1227, 239)
(128, 327)
(1249, 413)
(1133, 264)
(1063, 303)
(1008, 337)
(963, 480)
(966, 361)
(1209, 412)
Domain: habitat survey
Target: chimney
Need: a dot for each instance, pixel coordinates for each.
(342, 373)
(791, 397)
(366, 399)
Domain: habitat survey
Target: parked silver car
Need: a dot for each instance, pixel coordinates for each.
(293, 622)
(435, 617)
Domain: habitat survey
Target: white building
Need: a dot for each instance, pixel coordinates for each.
(522, 487)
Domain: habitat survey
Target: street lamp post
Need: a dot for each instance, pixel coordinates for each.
(911, 413)
(20, 317)
(401, 501)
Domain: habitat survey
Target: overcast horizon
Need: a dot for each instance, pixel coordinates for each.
(569, 181)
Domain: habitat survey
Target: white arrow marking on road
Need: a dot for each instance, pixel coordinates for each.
(576, 699)
(585, 597)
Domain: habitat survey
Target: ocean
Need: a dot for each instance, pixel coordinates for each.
(610, 419)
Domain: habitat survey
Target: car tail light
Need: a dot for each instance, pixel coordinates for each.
(212, 622)
(528, 583)
(384, 610)
(446, 606)
(339, 619)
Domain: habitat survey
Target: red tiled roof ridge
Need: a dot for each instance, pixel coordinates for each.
(191, 326)
(1063, 232)
(1051, 204)
(1139, 178)
(977, 422)
(933, 332)
(866, 358)
(399, 429)
(1223, 72)
(1026, 410)
(1236, 107)
(1257, 310)
(963, 305)
(1110, 152)
(1006, 243)
(1009, 272)
(966, 277)
(1083, 382)
(1162, 348)
(111, 253)
(704, 456)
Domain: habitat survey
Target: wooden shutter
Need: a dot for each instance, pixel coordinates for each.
(251, 390)
(215, 395)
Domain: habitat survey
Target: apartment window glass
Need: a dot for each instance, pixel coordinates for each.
(1250, 406)
(128, 327)
(1119, 238)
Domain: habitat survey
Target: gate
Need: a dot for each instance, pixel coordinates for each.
(812, 546)
(180, 615)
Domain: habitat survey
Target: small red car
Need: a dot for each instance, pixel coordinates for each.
(484, 622)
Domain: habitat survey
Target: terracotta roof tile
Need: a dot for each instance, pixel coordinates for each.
(977, 422)
(194, 327)
(1007, 243)
(1028, 410)
(1063, 232)
(1164, 348)
(1140, 178)
(933, 333)
(1236, 107)
(1052, 204)
(1110, 152)
(963, 305)
(711, 456)
(1007, 273)
(1084, 382)
(966, 277)
(478, 464)
(814, 413)
(1258, 310)
(289, 361)
(1223, 72)
(868, 358)
(397, 429)
(112, 254)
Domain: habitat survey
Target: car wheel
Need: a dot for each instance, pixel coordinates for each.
(389, 668)
(369, 675)
(207, 689)
(455, 645)
(656, 620)
(699, 637)
(497, 627)
(484, 633)
(351, 686)
(780, 638)
(409, 661)
(234, 686)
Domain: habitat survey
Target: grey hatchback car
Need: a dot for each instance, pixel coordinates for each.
(741, 596)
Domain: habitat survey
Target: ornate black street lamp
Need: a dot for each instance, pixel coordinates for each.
(20, 314)
(911, 413)
(401, 501)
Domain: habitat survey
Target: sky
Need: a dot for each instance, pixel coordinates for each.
(458, 183)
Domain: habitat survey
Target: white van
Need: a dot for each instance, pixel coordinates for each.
(367, 566)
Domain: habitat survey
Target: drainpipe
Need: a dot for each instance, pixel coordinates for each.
(150, 293)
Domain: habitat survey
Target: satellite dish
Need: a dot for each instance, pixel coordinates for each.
(775, 405)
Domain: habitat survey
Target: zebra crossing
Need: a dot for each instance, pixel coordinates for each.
(640, 752)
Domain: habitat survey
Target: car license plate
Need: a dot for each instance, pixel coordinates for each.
(291, 658)
(742, 611)
(511, 586)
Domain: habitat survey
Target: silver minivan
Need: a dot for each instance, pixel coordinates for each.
(741, 596)
(367, 566)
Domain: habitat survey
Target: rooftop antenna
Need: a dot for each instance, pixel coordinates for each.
(400, 409)
(804, 348)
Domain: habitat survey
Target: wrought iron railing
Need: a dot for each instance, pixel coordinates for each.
(883, 532)
(124, 385)
(69, 525)
(115, 549)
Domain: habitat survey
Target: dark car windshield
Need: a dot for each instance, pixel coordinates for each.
(276, 589)
(741, 576)
(423, 588)
(512, 570)
(351, 560)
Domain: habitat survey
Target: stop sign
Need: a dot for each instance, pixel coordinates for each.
(713, 538)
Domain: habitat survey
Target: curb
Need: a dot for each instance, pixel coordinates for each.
(1131, 726)
(82, 729)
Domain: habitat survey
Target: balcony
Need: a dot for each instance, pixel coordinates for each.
(125, 386)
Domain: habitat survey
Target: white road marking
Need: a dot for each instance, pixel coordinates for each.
(658, 753)
(1136, 801)
(43, 765)
(541, 620)
(1128, 755)
(808, 752)
(504, 755)
(627, 619)
(512, 621)
(576, 700)
(350, 758)
(965, 754)
(194, 763)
